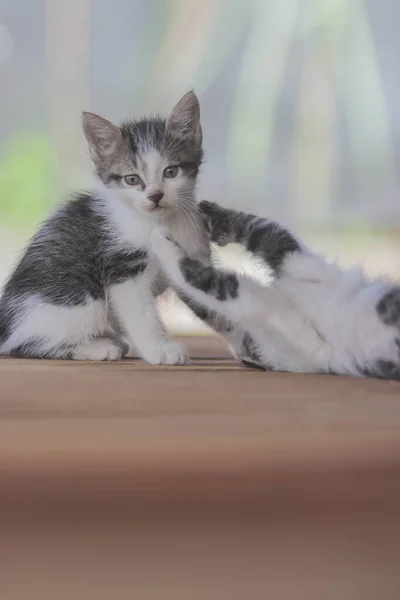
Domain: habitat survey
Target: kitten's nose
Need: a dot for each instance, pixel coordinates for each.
(156, 197)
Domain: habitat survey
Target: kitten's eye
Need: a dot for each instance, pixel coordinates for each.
(171, 172)
(132, 180)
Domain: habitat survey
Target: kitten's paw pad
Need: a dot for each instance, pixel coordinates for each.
(388, 308)
(101, 349)
(174, 353)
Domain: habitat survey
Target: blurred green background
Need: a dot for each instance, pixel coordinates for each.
(300, 107)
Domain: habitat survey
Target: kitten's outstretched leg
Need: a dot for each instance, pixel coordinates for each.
(261, 311)
(234, 297)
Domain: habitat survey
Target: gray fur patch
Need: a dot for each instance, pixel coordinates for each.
(388, 308)
(383, 369)
(218, 284)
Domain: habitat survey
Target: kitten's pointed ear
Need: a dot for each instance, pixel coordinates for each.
(184, 120)
(102, 136)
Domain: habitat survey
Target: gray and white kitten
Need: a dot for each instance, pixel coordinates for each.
(85, 286)
(312, 317)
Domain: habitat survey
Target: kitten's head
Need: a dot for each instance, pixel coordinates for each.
(152, 164)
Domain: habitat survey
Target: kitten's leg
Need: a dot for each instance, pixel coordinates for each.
(255, 308)
(265, 239)
(234, 297)
(136, 311)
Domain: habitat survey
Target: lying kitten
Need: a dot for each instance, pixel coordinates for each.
(313, 317)
(85, 286)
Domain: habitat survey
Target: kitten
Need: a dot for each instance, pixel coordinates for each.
(313, 317)
(85, 286)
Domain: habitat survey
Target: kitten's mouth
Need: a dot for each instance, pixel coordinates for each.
(156, 208)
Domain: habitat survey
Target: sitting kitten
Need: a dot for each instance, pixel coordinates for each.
(313, 317)
(85, 286)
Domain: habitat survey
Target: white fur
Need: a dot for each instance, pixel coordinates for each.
(315, 317)
(101, 349)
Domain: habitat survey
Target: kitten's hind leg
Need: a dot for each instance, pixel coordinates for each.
(44, 330)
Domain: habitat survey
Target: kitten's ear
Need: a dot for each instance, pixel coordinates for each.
(102, 136)
(184, 120)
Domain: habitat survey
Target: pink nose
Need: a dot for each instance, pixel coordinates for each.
(156, 197)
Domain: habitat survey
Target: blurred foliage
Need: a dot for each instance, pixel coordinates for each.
(27, 170)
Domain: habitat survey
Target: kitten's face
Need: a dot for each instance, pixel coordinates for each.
(152, 164)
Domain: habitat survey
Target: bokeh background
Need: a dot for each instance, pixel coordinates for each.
(300, 108)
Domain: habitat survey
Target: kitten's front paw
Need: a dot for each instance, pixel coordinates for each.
(170, 353)
(174, 353)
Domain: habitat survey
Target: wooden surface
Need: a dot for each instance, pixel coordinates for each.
(209, 481)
